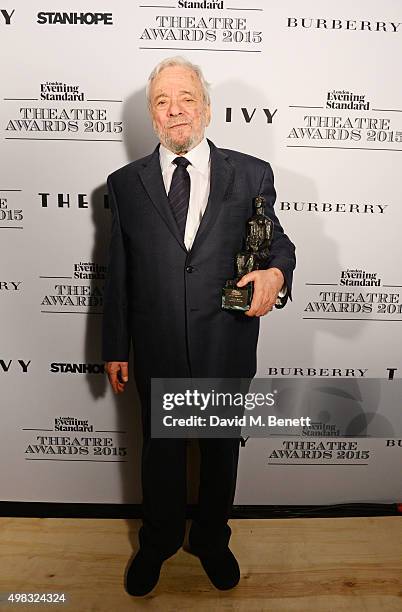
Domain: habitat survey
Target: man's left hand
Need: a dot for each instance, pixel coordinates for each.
(267, 284)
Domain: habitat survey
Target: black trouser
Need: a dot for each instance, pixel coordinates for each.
(164, 487)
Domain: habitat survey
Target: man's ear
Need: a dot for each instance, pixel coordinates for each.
(207, 114)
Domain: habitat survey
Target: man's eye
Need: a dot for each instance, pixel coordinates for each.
(161, 102)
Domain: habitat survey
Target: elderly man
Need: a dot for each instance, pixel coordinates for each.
(178, 220)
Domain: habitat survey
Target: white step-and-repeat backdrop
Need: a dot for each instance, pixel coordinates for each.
(312, 87)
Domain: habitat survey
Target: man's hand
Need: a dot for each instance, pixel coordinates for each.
(267, 284)
(117, 372)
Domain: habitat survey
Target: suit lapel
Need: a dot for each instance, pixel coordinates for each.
(221, 180)
(151, 176)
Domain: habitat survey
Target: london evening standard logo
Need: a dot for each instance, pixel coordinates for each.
(82, 292)
(56, 90)
(358, 295)
(36, 121)
(74, 438)
(351, 125)
(68, 423)
(346, 99)
(227, 32)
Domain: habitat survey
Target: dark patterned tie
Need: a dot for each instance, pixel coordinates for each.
(179, 192)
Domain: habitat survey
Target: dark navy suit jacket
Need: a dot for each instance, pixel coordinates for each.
(167, 300)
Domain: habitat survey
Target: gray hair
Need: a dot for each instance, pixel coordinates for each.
(178, 60)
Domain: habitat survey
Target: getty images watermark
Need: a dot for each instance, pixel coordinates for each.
(216, 408)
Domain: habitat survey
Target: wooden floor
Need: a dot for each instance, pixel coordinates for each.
(289, 565)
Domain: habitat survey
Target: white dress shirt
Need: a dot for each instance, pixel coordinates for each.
(199, 171)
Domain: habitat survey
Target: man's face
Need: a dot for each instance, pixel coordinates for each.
(179, 113)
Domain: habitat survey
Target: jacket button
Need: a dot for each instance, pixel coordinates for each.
(189, 269)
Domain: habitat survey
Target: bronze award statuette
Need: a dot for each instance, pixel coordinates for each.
(259, 230)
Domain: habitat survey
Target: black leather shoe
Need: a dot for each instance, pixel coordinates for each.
(221, 568)
(142, 575)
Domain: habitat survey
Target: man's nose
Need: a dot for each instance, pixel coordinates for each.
(175, 108)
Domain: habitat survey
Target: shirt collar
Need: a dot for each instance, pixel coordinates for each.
(198, 156)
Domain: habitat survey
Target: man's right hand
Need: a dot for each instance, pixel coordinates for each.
(117, 372)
